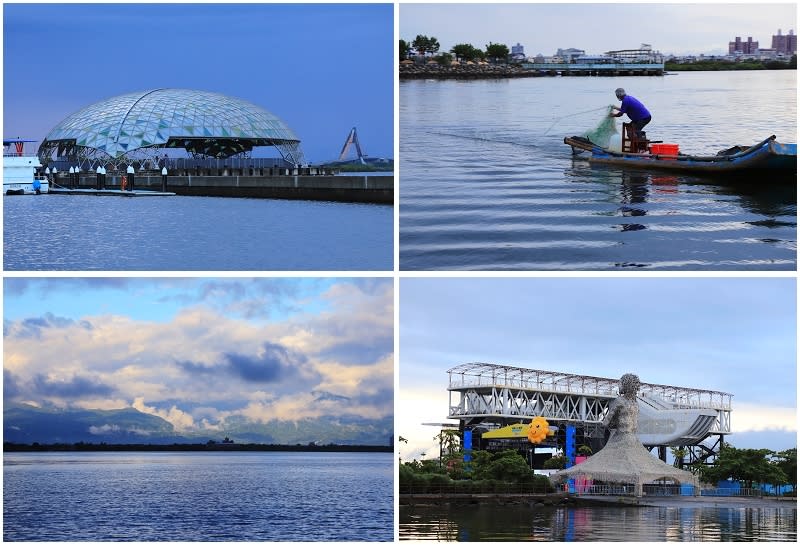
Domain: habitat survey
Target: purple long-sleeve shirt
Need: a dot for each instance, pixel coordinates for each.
(633, 108)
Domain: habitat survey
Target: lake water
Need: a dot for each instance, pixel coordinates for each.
(194, 233)
(728, 522)
(486, 182)
(175, 496)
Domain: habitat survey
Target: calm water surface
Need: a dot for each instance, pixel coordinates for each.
(197, 497)
(194, 233)
(486, 182)
(517, 523)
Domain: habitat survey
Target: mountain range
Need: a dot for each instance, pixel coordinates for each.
(28, 424)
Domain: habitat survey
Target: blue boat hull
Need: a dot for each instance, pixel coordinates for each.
(767, 156)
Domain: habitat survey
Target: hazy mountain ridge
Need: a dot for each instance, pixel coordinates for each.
(29, 424)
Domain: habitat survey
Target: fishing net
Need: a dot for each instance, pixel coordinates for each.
(602, 134)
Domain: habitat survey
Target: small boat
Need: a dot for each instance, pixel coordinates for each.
(766, 157)
(19, 170)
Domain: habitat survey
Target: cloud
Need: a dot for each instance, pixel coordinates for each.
(358, 329)
(179, 419)
(76, 387)
(17, 286)
(357, 352)
(10, 386)
(247, 298)
(746, 417)
(104, 429)
(33, 327)
(273, 364)
(338, 339)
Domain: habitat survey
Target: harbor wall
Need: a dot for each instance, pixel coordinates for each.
(372, 188)
(528, 70)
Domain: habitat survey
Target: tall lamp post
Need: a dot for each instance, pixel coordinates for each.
(163, 179)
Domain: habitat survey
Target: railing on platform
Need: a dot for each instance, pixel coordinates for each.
(648, 490)
(28, 149)
(733, 492)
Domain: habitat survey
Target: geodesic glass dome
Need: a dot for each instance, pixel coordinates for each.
(138, 125)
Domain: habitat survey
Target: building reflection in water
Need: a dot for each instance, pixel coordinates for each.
(523, 522)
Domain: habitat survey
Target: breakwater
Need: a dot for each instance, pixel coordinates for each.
(372, 188)
(527, 70)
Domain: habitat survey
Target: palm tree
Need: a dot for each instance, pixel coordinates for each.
(678, 453)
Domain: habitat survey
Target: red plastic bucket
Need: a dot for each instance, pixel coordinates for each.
(665, 151)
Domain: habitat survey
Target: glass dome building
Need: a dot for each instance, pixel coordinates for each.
(138, 126)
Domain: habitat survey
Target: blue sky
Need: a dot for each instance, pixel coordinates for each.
(321, 68)
(686, 28)
(736, 335)
(195, 351)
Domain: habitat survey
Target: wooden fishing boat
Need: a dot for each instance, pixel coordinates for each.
(768, 156)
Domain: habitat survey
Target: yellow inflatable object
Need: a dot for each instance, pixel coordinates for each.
(539, 430)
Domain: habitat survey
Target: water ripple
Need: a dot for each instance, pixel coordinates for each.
(198, 497)
(192, 233)
(485, 188)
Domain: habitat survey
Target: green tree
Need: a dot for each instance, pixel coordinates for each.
(678, 454)
(444, 59)
(556, 462)
(746, 465)
(466, 52)
(480, 459)
(584, 450)
(497, 52)
(449, 442)
(786, 460)
(425, 44)
(508, 466)
(404, 47)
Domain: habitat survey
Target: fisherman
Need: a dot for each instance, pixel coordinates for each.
(635, 110)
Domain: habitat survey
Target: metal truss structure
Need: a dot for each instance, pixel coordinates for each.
(491, 396)
(87, 159)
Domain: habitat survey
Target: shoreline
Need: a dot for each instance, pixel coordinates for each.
(188, 447)
(377, 188)
(437, 72)
(560, 499)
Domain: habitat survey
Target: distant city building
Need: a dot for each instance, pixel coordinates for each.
(569, 54)
(595, 60)
(785, 44)
(742, 48)
(518, 52)
(645, 54)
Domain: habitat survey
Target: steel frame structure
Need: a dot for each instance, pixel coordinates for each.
(88, 158)
(496, 395)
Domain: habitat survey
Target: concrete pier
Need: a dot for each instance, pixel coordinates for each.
(372, 188)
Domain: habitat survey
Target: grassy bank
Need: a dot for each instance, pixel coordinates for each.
(731, 65)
